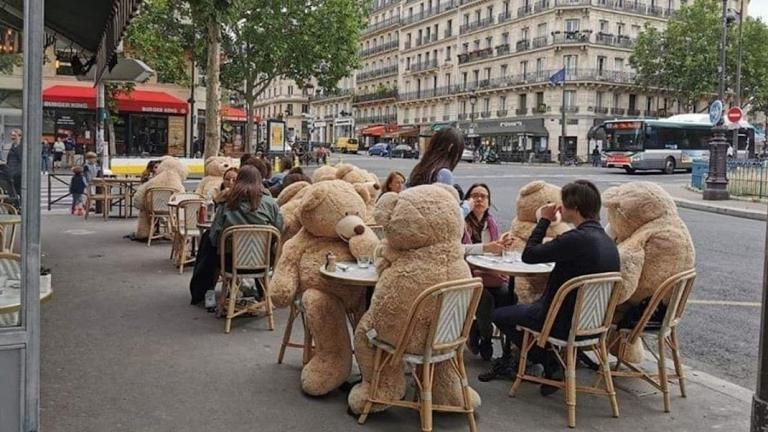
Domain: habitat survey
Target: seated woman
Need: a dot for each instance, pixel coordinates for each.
(149, 171)
(227, 182)
(395, 183)
(246, 204)
(481, 235)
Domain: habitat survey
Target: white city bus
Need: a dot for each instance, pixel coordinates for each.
(666, 144)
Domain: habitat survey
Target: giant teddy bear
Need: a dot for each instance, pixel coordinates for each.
(289, 201)
(422, 247)
(532, 197)
(170, 174)
(215, 167)
(366, 183)
(654, 243)
(327, 210)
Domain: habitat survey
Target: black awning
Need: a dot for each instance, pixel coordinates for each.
(95, 26)
(503, 127)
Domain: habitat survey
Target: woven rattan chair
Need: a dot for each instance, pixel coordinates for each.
(8, 232)
(173, 224)
(157, 206)
(596, 298)
(98, 191)
(251, 247)
(186, 232)
(675, 290)
(455, 304)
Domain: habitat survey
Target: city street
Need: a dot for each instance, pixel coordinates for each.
(720, 331)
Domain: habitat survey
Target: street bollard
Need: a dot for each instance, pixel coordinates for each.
(277, 165)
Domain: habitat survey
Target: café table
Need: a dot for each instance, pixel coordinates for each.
(514, 267)
(349, 273)
(8, 224)
(10, 298)
(127, 188)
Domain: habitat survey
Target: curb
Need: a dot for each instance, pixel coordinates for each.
(728, 211)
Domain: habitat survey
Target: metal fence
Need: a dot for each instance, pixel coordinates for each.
(747, 178)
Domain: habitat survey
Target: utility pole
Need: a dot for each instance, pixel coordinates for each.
(760, 399)
(562, 124)
(738, 78)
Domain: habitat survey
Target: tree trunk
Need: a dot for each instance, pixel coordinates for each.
(111, 133)
(213, 91)
(249, 146)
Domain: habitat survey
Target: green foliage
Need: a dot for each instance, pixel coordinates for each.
(684, 58)
(8, 61)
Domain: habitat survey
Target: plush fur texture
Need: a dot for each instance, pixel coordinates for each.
(324, 173)
(171, 173)
(327, 303)
(653, 241)
(289, 201)
(422, 247)
(532, 197)
(366, 184)
(215, 167)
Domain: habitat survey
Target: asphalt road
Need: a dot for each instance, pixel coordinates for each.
(719, 338)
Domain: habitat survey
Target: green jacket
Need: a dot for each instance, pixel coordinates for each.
(268, 213)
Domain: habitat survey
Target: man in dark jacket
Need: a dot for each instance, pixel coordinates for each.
(14, 160)
(582, 251)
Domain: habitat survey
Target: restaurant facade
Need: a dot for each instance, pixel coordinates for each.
(513, 139)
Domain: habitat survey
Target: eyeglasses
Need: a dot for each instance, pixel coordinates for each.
(479, 196)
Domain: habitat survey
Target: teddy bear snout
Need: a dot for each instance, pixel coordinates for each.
(359, 229)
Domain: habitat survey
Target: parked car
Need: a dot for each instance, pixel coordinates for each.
(468, 155)
(405, 151)
(378, 149)
(346, 145)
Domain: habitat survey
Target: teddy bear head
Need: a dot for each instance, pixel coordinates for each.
(420, 216)
(326, 203)
(533, 196)
(632, 205)
(324, 173)
(171, 164)
(216, 166)
(366, 183)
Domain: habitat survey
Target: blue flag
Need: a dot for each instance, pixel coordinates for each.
(558, 77)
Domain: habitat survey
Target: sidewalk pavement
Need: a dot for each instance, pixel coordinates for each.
(122, 350)
(686, 197)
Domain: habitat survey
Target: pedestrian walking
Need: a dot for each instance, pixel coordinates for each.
(596, 156)
(77, 186)
(69, 151)
(439, 160)
(14, 160)
(58, 153)
(45, 154)
(91, 168)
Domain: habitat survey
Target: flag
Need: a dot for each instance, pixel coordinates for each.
(558, 77)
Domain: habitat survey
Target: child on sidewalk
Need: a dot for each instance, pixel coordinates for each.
(77, 189)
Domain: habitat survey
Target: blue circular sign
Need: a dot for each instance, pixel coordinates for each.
(716, 112)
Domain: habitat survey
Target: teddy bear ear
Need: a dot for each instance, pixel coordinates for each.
(610, 198)
(384, 207)
(363, 191)
(343, 169)
(290, 192)
(450, 189)
(313, 198)
(532, 187)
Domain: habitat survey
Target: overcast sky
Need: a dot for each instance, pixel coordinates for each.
(759, 8)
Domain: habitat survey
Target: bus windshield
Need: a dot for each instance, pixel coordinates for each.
(624, 136)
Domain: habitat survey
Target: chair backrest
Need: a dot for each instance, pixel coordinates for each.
(8, 209)
(251, 247)
(158, 197)
(186, 214)
(675, 290)
(10, 265)
(596, 299)
(183, 196)
(455, 305)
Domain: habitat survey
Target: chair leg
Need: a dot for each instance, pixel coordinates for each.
(374, 387)
(570, 384)
(182, 253)
(663, 380)
(233, 289)
(151, 230)
(606, 368)
(465, 390)
(268, 300)
(87, 206)
(527, 341)
(308, 341)
(426, 397)
(675, 347)
(287, 335)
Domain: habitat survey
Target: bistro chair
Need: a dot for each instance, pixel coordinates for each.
(98, 191)
(156, 203)
(296, 311)
(186, 232)
(173, 224)
(453, 306)
(596, 299)
(675, 290)
(251, 253)
(8, 231)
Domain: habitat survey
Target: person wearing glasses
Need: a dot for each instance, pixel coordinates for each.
(481, 235)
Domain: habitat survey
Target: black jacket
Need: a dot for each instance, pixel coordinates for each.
(13, 160)
(77, 184)
(585, 250)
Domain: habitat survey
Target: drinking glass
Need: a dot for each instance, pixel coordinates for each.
(363, 262)
(509, 256)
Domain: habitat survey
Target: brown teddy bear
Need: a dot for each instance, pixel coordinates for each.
(366, 184)
(215, 167)
(653, 241)
(289, 201)
(422, 248)
(325, 213)
(171, 174)
(531, 198)
(323, 173)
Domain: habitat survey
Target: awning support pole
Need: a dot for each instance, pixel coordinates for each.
(101, 114)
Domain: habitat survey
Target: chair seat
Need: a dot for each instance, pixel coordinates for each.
(410, 358)
(247, 273)
(562, 343)
(191, 232)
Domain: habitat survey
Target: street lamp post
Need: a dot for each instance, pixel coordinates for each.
(472, 102)
(717, 182)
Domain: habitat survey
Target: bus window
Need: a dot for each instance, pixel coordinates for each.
(698, 138)
(625, 136)
(668, 139)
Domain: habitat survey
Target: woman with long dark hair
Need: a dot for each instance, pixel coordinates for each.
(440, 159)
(246, 204)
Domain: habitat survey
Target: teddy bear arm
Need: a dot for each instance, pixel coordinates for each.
(364, 244)
(285, 281)
(632, 262)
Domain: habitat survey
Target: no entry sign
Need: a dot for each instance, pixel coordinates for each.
(735, 114)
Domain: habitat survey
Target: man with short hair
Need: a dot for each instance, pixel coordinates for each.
(585, 250)
(14, 160)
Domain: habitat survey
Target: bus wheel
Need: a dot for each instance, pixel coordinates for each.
(669, 166)
(629, 170)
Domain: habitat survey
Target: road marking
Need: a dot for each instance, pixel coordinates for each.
(725, 303)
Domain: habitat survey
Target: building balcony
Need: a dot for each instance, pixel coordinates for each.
(448, 33)
(504, 17)
(540, 42)
(423, 66)
(651, 113)
(377, 73)
(536, 7)
(381, 25)
(425, 120)
(426, 39)
(430, 12)
(331, 95)
(502, 49)
(521, 111)
(634, 7)
(540, 109)
(633, 112)
(432, 119)
(569, 109)
(376, 96)
(575, 37)
(463, 116)
(446, 117)
(601, 110)
(381, 4)
(501, 113)
(475, 55)
(485, 114)
(473, 116)
(618, 111)
(385, 47)
(386, 118)
(476, 25)
(615, 41)
(523, 45)
(566, 3)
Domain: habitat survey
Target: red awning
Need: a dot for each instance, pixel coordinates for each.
(142, 101)
(234, 114)
(376, 131)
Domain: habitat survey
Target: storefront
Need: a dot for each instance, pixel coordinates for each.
(148, 123)
(375, 134)
(513, 140)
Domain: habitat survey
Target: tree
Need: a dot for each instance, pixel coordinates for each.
(307, 41)
(684, 58)
(111, 91)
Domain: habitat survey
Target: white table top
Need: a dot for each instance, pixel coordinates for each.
(494, 264)
(10, 298)
(353, 275)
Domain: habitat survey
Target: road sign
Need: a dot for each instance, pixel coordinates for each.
(716, 112)
(735, 114)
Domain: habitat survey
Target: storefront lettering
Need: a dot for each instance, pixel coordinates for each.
(510, 124)
(53, 104)
(162, 110)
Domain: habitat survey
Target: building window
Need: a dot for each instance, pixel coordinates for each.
(523, 102)
(289, 109)
(616, 99)
(601, 60)
(448, 54)
(464, 79)
(502, 103)
(476, 76)
(618, 64)
(570, 98)
(449, 28)
(305, 108)
(477, 44)
(599, 96)
(466, 19)
(505, 38)
(571, 62)
(541, 65)
(524, 68)
(619, 29)
(541, 30)
(486, 104)
(489, 42)
(487, 73)
(465, 47)
(490, 12)
(572, 25)
(504, 70)
(603, 26)
(463, 107)
(447, 79)
(540, 101)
